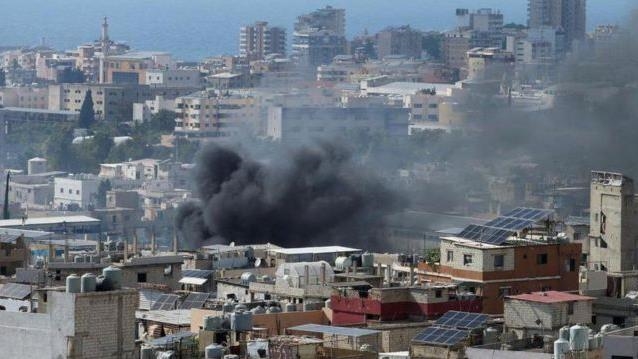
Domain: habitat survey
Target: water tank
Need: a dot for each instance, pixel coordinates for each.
(241, 321)
(228, 307)
(213, 322)
(591, 343)
(563, 332)
(291, 307)
(240, 307)
(113, 277)
(367, 260)
(608, 328)
(578, 337)
(599, 340)
(490, 335)
(88, 283)
(247, 278)
(341, 263)
(73, 284)
(146, 352)
(328, 304)
(561, 347)
(258, 310)
(214, 351)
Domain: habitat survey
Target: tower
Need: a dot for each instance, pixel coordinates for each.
(104, 44)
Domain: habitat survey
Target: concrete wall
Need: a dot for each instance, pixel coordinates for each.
(524, 314)
(31, 330)
(398, 339)
(275, 323)
(241, 293)
(474, 353)
(621, 346)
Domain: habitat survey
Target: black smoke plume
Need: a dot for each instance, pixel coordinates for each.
(315, 195)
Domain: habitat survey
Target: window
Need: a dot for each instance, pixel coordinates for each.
(572, 264)
(77, 192)
(70, 191)
(570, 308)
(603, 223)
(499, 261)
(61, 190)
(141, 277)
(541, 258)
(450, 256)
(467, 259)
(438, 293)
(504, 291)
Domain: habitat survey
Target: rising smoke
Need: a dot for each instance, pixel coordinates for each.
(314, 195)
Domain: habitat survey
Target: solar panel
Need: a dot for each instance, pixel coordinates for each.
(510, 223)
(485, 234)
(194, 300)
(15, 291)
(197, 273)
(441, 336)
(462, 320)
(533, 214)
(165, 302)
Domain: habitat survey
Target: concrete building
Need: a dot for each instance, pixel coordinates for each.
(131, 67)
(401, 40)
(28, 96)
(612, 223)
(454, 47)
(319, 36)
(209, 114)
(544, 313)
(33, 192)
(110, 102)
(569, 15)
(621, 344)
(489, 63)
(73, 325)
(259, 40)
(520, 261)
(79, 191)
(60, 224)
(14, 253)
(173, 78)
(22, 115)
(328, 18)
(143, 112)
(289, 124)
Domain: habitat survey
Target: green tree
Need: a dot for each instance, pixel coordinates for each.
(58, 148)
(87, 113)
(3, 78)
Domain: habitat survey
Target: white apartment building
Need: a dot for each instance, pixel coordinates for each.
(173, 78)
(78, 191)
(142, 112)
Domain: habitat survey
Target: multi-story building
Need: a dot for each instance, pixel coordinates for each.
(454, 47)
(175, 78)
(489, 63)
(131, 67)
(399, 41)
(14, 253)
(73, 325)
(319, 36)
(143, 112)
(303, 123)
(28, 96)
(210, 114)
(79, 191)
(495, 262)
(31, 191)
(568, 15)
(487, 28)
(110, 102)
(260, 40)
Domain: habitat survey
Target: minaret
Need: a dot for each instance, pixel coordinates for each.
(105, 44)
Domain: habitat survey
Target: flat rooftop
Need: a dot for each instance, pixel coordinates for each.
(550, 296)
(314, 250)
(48, 221)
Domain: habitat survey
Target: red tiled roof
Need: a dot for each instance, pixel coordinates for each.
(551, 296)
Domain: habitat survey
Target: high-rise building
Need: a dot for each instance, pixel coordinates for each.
(612, 230)
(399, 41)
(259, 40)
(569, 15)
(319, 36)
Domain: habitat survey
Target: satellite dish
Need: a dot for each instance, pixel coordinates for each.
(257, 262)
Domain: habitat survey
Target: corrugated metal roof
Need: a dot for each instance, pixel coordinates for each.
(329, 329)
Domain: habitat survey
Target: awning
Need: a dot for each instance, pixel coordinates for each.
(194, 281)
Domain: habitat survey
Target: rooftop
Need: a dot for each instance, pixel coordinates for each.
(38, 110)
(315, 250)
(47, 221)
(181, 317)
(409, 88)
(329, 329)
(138, 55)
(550, 297)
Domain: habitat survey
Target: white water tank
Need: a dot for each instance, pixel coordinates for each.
(241, 321)
(561, 347)
(578, 337)
(564, 332)
(88, 283)
(273, 309)
(113, 276)
(73, 284)
(490, 335)
(213, 322)
(247, 278)
(608, 328)
(341, 263)
(146, 352)
(228, 307)
(258, 310)
(214, 351)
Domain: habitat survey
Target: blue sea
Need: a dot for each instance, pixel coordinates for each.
(193, 29)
